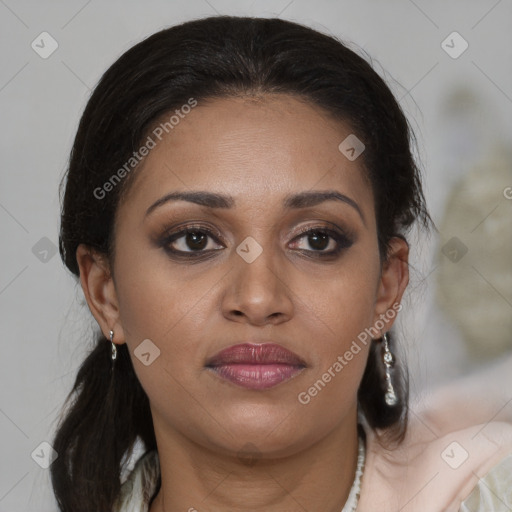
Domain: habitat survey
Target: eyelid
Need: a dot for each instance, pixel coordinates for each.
(326, 226)
(179, 229)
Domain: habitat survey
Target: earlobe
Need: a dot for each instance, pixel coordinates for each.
(99, 290)
(394, 277)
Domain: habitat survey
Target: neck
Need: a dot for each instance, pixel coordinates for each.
(318, 477)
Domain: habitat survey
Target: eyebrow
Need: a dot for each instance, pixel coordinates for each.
(291, 201)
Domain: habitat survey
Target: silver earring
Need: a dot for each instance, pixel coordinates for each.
(387, 357)
(114, 348)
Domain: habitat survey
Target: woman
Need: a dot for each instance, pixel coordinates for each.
(235, 207)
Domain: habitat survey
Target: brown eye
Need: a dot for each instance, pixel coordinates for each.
(318, 241)
(196, 240)
(323, 241)
(191, 240)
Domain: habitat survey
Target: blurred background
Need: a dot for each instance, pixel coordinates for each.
(449, 64)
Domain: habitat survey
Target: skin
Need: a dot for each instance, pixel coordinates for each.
(257, 150)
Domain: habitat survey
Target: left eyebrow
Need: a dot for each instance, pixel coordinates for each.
(312, 198)
(291, 201)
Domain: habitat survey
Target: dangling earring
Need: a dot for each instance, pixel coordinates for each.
(114, 348)
(387, 357)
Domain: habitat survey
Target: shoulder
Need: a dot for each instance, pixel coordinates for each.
(433, 470)
(140, 485)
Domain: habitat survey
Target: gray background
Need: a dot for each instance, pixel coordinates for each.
(45, 325)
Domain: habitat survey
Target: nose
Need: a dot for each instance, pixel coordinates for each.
(257, 292)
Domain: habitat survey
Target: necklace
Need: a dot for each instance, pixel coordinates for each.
(355, 490)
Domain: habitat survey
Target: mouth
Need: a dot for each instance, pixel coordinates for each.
(256, 366)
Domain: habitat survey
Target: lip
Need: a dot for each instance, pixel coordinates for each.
(256, 365)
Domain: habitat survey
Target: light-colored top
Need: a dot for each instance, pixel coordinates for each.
(468, 470)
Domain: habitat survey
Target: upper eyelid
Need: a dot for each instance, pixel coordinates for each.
(305, 229)
(322, 224)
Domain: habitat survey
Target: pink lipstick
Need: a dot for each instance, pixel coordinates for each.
(256, 366)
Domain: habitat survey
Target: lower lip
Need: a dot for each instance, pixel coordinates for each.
(257, 376)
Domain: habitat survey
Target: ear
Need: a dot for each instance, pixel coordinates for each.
(99, 290)
(393, 280)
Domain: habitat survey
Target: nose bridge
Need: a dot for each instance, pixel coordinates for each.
(255, 265)
(256, 289)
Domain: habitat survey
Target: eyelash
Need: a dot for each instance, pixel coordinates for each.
(342, 240)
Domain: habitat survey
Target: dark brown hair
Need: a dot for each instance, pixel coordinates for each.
(219, 56)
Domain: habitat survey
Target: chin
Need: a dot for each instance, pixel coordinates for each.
(269, 437)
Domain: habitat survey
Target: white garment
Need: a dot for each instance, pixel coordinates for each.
(141, 484)
(494, 492)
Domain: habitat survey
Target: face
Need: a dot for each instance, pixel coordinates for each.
(256, 266)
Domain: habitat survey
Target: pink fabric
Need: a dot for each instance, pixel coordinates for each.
(431, 471)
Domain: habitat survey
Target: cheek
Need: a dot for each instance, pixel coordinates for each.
(340, 353)
(161, 302)
(341, 329)
(155, 306)
(342, 301)
(339, 309)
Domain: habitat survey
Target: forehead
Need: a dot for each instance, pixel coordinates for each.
(255, 149)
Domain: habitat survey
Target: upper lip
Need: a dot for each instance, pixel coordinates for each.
(255, 353)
